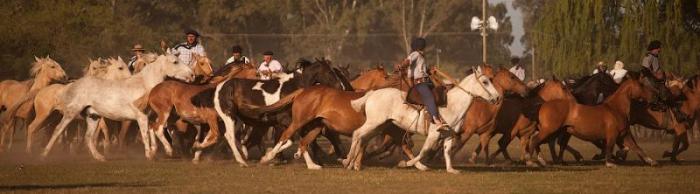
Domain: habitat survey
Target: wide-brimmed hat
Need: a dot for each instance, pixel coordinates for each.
(236, 49)
(268, 53)
(655, 44)
(138, 47)
(191, 31)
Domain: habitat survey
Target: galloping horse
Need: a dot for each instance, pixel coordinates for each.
(607, 122)
(192, 103)
(47, 99)
(233, 96)
(387, 104)
(43, 72)
(481, 116)
(117, 100)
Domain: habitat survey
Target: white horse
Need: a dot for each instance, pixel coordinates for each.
(117, 100)
(388, 104)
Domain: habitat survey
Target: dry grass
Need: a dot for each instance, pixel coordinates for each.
(79, 174)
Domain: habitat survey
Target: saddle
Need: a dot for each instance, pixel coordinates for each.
(439, 93)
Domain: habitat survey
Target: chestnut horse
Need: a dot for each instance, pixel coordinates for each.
(43, 72)
(192, 103)
(608, 121)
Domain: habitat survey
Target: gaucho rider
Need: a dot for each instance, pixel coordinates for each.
(651, 68)
(185, 50)
(418, 71)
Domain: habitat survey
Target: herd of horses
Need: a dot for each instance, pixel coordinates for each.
(167, 99)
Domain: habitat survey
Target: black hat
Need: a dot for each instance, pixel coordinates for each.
(418, 44)
(191, 31)
(236, 49)
(655, 44)
(268, 53)
(515, 60)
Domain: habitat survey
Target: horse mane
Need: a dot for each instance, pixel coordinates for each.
(344, 80)
(37, 66)
(534, 91)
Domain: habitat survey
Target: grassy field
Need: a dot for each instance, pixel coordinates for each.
(79, 174)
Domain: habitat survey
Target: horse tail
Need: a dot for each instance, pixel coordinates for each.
(277, 106)
(9, 114)
(359, 104)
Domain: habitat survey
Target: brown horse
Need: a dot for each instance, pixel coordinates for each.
(515, 121)
(608, 121)
(315, 108)
(480, 117)
(193, 105)
(668, 120)
(202, 70)
(43, 72)
(371, 79)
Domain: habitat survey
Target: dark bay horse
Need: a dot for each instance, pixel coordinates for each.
(607, 122)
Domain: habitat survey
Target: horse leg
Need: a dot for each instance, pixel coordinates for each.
(142, 120)
(358, 137)
(91, 136)
(536, 140)
(484, 140)
(230, 136)
(503, 147)
(67, 118)
(213, 135)
(334, 138)
(430, 142)
(159, 130)
(303, 148)
(632, 144)
(447, 152)
(385, 147)
(284, 142)
(609, 145)
(39, 120)
(104, 129)
(122, 134)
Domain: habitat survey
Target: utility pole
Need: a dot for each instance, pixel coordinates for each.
(533, 64)
(483, 30)
(482, 24)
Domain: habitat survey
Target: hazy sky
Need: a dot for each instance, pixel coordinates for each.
(516, 18)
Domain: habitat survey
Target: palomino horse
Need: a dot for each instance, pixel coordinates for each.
(192, 103)
(607, 122)
(117, 100)
(233, 96)
(43, 72)
(387, 104)
(47, 99)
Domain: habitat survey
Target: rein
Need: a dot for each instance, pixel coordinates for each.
(456, 84)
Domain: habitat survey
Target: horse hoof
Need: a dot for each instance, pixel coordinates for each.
(195, 161)
(297, 155)
(402, 164)
(345, 162)
(314, 167)
(531, 164)
(610, 165)
(454, 171)
(243, 165)
(421, 167)
(667, 154)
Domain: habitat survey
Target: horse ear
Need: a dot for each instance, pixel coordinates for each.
(119, 58)
(478, 69)
(36, 58)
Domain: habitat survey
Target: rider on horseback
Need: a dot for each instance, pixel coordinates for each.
(419, 73)
(651, 69)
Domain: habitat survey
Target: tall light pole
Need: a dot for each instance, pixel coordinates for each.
(482, 24)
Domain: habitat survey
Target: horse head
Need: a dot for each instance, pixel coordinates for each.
(552, 89)
(116, 69)
(637, 88)
(482, 87)
(321, 72)
(168, 66)
(202, 66)
(507, 81)
(47, 69)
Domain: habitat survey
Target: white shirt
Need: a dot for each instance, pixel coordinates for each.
(274, 66)
(421, 69)
(519, 72)
(618, 74)
(185, 55)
